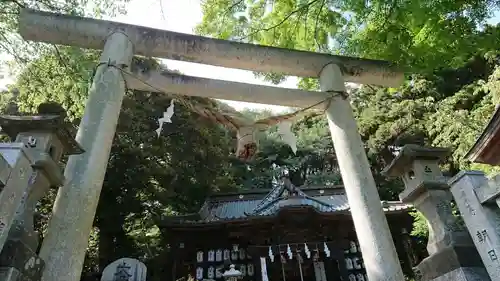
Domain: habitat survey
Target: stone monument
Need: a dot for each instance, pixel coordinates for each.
(477, 199)
(452, 255)
(125, 269)
(40, 142)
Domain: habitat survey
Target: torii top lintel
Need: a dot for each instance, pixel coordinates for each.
(92, 33)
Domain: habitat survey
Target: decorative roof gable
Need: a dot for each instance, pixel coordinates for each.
(259, 203)
(285, 194)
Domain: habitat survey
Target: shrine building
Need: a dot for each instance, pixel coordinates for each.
(285, 233)
(485, 150)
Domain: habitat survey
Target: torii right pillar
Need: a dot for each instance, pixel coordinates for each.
(379, 253)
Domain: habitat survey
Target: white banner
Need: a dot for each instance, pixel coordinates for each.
(263, 269)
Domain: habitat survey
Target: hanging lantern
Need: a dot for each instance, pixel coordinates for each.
(211, 255)
(218, 255)
(227, 254)
(211, 272)
(242, 254)
(199, 256)
(250, 269)
(199, 273)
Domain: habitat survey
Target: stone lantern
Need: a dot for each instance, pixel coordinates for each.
(40, 142)
(452, 255)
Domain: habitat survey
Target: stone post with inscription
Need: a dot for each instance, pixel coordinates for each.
(125, 269)
(44, 139)
(477, 199)
(452, 255)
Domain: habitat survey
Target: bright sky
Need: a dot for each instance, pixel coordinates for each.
(182, 16)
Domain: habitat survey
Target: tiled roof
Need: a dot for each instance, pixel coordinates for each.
(484, 149)
(251, 205)
(239, 209)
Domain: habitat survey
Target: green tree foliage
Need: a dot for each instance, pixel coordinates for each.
(421, 35)
(446, 45)
(147, 176)
(12, 46)
(446, 103)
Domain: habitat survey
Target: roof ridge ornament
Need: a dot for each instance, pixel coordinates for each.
(278, 194)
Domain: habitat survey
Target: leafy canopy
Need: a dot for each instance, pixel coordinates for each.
(421, 35)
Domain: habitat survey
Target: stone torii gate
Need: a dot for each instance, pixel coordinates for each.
(64, 246)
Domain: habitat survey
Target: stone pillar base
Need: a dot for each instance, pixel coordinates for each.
(9, 274)
(19, 262)
(453, 263)
(465, 274)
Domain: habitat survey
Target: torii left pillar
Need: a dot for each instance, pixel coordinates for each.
(63, 248)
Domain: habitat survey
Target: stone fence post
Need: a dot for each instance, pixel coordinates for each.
(452, 255)
(40, 143)
(477, 198)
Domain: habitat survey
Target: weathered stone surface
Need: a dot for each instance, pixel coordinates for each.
(125, 269)
(91, 34)
(220, 89)
(451, 261)
(444, 227)
(9, 274)
(17, 255)
(463, 274)
(451, 250)
(483, 221)
(45, 139)
(372, 229)
(19, 159)
(22, 127)
(65, 243)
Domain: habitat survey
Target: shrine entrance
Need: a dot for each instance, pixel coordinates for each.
(265, 233)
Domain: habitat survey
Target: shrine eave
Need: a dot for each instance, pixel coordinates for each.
(195, 220)
(92, 33)
(485, 150)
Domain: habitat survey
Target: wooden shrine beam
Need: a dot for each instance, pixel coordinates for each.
(92, 33)
(167, 82)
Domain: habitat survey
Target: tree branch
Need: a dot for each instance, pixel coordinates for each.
(15, 2)
(222, 22)
(316, 24)
(299, 9)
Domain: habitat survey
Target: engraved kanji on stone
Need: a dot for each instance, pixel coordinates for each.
(2, 226)
(484, 233)
(463, 197)
(479, 236)
(493, 255)
(122, 272)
